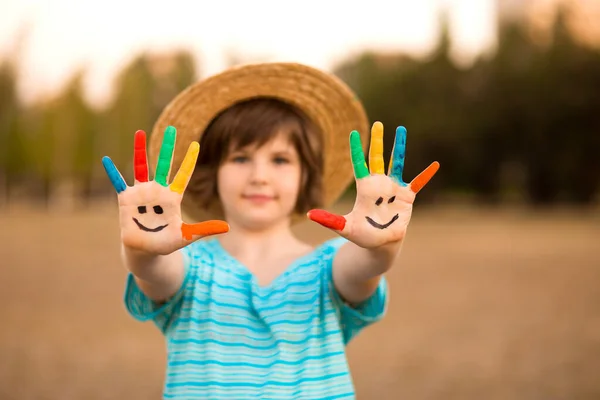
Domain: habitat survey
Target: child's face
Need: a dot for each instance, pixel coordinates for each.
(258, 187)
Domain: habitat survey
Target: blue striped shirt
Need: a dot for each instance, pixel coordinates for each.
(230, 338)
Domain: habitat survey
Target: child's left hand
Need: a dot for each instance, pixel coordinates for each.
(383, 204)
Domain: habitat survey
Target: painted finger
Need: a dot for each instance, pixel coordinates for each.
(327, 219)
(114, 175)
(187, 168)
(376, 149)
(396, 166)
(424, 177)
(165, 156)
(140, 159)
(202, 229)
(357, 156)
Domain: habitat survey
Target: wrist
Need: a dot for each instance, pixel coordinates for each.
(385, 255)
(134, 254)
(138, 262)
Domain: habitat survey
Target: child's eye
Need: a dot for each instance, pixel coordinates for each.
(239, 159)
(281, 160)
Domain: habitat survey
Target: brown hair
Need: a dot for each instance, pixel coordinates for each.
(255, 122)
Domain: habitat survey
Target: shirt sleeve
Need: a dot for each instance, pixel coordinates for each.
(353, 319)
(143, 308)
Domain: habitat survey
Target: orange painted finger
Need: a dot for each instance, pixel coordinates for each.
(424, 177)
(206, 228)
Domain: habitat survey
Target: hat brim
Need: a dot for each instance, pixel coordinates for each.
(325, 99)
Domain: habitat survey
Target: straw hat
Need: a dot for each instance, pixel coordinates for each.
(325, 99)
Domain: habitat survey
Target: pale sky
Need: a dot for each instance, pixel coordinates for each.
(105, 34)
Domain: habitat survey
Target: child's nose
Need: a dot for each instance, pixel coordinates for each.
(259, 173)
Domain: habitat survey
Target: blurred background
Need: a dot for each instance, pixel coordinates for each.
(496, 292)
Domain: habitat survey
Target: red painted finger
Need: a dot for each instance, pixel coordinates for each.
(421, 180)
(140, 162)
(327, 219)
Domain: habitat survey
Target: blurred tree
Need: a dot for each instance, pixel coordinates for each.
(63, 142)
(495, 126)
(522, 121)
(564, 163)
(79, 121)
(40, 119)
(423, 96)
(498, 111)
(131, 109)
(143, 89)
(13, 145)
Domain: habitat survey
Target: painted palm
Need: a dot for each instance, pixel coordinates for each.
(150, 210)
(384, 203)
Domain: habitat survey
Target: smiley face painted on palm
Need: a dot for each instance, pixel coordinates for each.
(150, 213)
(143, 210)
(387, 224)
(383, 206)
(150, 210)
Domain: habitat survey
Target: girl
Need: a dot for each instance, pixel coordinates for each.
(256, 313)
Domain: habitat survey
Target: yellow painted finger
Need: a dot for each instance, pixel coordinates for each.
(376, 149)
(187, 168)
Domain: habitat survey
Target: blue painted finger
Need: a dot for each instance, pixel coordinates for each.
(113, 174)
(396, 167)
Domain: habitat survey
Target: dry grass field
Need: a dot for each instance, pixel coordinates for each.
(485, 304)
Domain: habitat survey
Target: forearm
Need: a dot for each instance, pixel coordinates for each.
(364, 264)
(357, 270)
(158, 276)
(377, 261)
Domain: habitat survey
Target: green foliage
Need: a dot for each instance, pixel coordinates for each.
(522, 122)
(525, 121)
(12, 145)
(63, 139)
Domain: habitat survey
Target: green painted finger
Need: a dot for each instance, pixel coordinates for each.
(165, 156)
(358, 157)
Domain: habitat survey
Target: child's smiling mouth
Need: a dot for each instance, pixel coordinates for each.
(258, 198)
(142, 227)
(380, 226)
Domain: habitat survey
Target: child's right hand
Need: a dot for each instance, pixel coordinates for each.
(150, 211)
